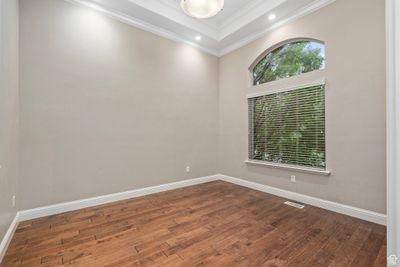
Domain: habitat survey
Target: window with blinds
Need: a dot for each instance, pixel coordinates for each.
(289, 127)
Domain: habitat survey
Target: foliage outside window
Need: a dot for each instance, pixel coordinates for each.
(289, 127)
(289, 60)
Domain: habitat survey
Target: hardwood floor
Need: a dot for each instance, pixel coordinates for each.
(213, 224)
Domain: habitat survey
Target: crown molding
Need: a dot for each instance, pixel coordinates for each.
(236, 21)
(244, 16)
(300, 13)
(142, 25)
(167, 9)
(178, 38)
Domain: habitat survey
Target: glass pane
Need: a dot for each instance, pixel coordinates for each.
(289, 127)
(289, 60)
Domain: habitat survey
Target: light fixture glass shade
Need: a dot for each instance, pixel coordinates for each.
(202, 9)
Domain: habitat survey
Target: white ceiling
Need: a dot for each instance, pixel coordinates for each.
(240, 22)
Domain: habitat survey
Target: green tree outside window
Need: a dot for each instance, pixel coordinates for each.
(288, 60)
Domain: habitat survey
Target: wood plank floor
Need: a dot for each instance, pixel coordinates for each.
(213, 224)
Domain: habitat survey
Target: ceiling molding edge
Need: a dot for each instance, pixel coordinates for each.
(301, 13)
(175, 37)
(166, 10)
(141, 25)
(246, 15)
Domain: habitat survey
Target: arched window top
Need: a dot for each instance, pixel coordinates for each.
(289, 59)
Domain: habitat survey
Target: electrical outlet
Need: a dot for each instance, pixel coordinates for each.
(392, 260)
(293, 178)
(188, 169)
(13, 201)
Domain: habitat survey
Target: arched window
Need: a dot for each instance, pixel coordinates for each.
(287, 125)
(289, 59)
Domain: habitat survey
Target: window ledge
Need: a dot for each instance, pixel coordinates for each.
(288, 167)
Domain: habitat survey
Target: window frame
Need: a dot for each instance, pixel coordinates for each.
(275, 46)
(304, 80)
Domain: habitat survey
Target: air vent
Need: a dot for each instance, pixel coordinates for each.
(294, 204)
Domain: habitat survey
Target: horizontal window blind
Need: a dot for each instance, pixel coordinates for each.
(289, 127)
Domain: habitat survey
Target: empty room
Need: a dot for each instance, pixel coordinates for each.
(200, 133)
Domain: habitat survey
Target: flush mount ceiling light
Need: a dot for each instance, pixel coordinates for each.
(202, 9)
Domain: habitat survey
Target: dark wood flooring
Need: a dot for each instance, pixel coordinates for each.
(213, 224)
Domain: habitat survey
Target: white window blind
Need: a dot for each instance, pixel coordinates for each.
(289, 127)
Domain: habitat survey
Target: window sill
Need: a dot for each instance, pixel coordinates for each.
(288, 167)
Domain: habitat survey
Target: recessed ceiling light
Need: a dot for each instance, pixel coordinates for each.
(202, 9)
(198, 38)
(272, 16)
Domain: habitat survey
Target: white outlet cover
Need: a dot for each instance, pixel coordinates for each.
(392, 260)
(294, 204)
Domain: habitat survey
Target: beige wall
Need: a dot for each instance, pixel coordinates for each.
(8, 111)
(354, 33)
(106, 107)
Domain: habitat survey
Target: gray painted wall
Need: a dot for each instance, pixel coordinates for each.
(354, 32)
(106, 107)
(8, 111)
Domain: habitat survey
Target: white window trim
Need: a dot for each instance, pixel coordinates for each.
(286, 89)
(298, 168)
(393, 130)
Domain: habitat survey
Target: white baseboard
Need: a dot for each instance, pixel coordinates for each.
(85, 203)
(90, 202)
(317, 202)
(313, 201)
(5, 242)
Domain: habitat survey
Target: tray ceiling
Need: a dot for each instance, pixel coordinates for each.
(240, 22)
